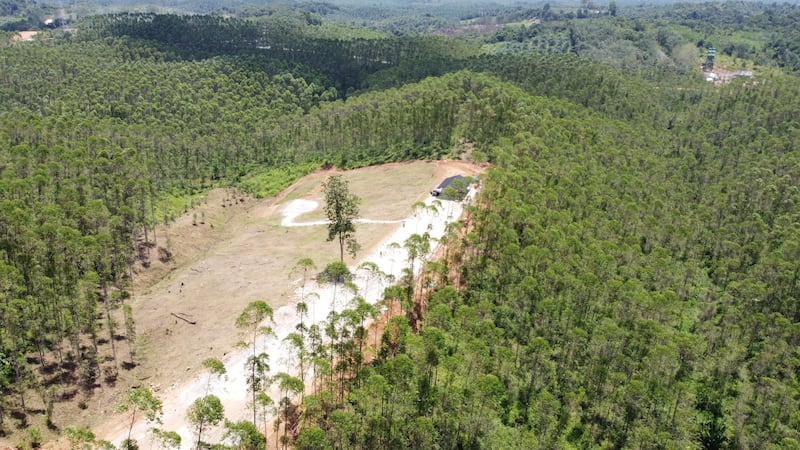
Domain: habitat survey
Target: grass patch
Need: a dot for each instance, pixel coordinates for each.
(171, 206)
(269, 182)
(333, 30)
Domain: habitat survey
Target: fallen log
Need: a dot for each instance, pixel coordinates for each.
(183, 318)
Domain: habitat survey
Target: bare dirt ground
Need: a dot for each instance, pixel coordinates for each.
(236, 250)
(24, 35)
(724, 75)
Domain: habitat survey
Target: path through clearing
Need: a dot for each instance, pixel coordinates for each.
(299, 207)
(387, 253)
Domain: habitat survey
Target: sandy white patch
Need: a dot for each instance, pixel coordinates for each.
(298, 207)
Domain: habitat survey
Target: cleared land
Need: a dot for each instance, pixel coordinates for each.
(236, 254)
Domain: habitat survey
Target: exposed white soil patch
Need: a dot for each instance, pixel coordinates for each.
(299, 207)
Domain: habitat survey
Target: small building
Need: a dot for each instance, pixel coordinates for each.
(454, 188)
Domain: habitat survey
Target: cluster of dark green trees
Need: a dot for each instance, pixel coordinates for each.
(630, 278)
(23, 14)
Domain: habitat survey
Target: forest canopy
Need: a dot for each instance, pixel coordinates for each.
(631, 277)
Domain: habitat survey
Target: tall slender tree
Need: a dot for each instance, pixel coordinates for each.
(215, 368)
(250, 322)
(251, 319)
(203, 412)
(335, 273)
(303, 266)
(289, 386)
(130, 330)
(139, 400)
(341, 209)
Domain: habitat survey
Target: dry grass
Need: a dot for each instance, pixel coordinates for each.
(239, 254)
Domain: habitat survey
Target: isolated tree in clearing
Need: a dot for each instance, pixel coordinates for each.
(135, 400)
(304, 266)
(341, 209)
(335, 273)
(205, 411)
(215, 367)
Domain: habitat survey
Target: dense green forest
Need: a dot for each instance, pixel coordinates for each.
(630, 276)
(622, 293)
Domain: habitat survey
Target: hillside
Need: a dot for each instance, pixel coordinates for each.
(234, 258)
(628, 277)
